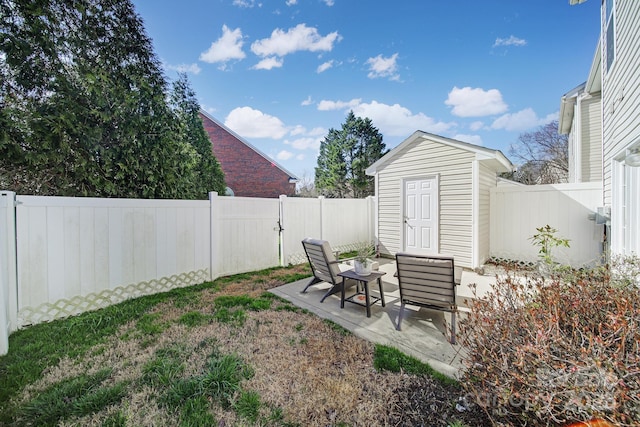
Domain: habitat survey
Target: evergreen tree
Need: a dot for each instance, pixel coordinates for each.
(83, 107)
(344, 156)
(208, 175)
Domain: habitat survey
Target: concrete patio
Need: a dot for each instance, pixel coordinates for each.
(423, 333)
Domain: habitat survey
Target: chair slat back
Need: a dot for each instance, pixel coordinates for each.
(322, 260)
(426, 280)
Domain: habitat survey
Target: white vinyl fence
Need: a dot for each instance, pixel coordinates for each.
(516, 212)
(342, 222)
(61, 256)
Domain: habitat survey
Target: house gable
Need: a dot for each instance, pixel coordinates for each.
(247, 171)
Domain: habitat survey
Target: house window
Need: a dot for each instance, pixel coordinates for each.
(627, 207)
(609, 42)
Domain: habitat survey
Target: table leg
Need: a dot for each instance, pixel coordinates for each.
(366, 293)
(342, 294)
(381, 293)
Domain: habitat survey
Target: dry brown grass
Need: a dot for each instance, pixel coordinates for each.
(314, 373)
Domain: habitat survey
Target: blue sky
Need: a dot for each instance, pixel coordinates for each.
(281, 73)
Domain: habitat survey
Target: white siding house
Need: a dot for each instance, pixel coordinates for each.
(615, 70)
(433, 197)
(580, 118)
(620, 40)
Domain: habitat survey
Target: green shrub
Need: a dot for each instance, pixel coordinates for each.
(550, 352)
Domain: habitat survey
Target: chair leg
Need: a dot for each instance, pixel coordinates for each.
(453, 327)
(333, 290)
(313, 281)
(381, 291)
(400, 316)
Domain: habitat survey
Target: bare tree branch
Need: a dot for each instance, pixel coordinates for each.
(542, 156)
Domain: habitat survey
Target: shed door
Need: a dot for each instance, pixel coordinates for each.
(421, 215)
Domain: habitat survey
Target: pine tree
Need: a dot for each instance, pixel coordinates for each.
(207, 173)
(344, 156)
(83, 107)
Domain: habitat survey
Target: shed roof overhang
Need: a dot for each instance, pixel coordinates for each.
(494, 158)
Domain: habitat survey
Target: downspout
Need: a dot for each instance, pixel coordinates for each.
(475, 213)
(577, 115)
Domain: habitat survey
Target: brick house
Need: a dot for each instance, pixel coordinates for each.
(247, 171)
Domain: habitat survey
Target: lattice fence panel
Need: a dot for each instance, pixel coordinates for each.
(82, 303)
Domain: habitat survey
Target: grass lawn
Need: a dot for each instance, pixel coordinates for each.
(227, 353)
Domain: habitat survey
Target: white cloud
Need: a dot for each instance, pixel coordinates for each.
(208, 109)
(309, 139)
(324, 66)
(228, 47)
(392, 120)
(319, 131)
(307, 101)
(291, 2)
(307, 143)
(395, 120)
(326, 105)
(268, 63)
(477, 125)
(510, 41)
(251, 123)
(522, 120)
(184, 68)
(300, 157)
(329, 2)
(298, 38)
(475, 102)
(471, 139)
(298, 130)
(284, 155)
(550, 117)
(380, 66)
(246, 3)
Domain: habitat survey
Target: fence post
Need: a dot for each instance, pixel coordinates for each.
(322, 216)
(8, 272)
(213, 236)
(372, 220)
(281, 223)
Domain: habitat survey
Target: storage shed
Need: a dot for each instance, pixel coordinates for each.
(433, 197)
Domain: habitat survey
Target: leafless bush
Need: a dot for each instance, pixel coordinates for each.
(547, 352)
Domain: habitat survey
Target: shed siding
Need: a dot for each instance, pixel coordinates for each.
(591, 140)
(454, 168)
(621, 89)
(487, 181)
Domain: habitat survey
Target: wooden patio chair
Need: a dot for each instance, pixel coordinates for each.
(324, 265)
(427, 281)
